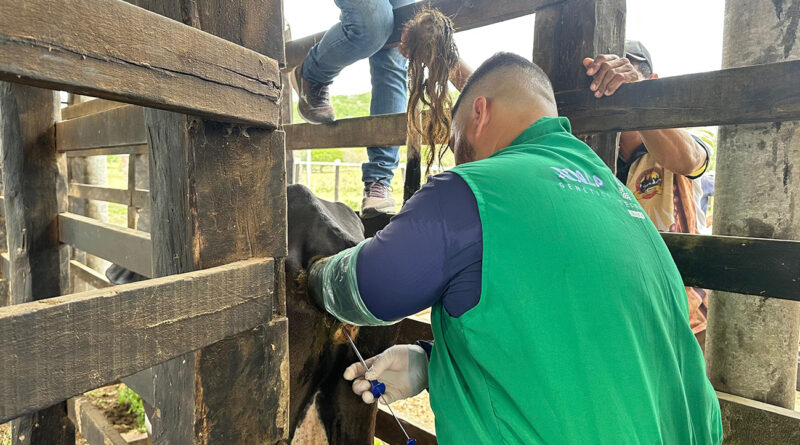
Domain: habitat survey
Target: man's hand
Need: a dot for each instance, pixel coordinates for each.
(402, 368)
(609, 72)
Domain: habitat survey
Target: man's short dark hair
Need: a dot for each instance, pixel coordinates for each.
(502, 60)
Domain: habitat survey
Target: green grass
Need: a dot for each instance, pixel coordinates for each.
(134, 403)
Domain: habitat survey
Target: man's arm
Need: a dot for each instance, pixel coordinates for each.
(675, 149)
(460, 74)
(409, 264)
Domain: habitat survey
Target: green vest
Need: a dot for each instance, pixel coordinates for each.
(581, 335)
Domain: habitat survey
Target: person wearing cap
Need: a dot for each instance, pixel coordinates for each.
(659, 166)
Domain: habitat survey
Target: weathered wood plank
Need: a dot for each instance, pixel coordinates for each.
(135, 198)
(760, 93)
(92, 423)
(35, 192)
(415, 328)
(465, 14)
(568, 32)
(755, 266)
(93, 338)
(98, 193)
(746, 422)
(387, 430)
(366, 131)
(84, 46)
(219, 195)
(122, 150)
(121, 245)
(88, 275)
(89, 107)
(118, 126)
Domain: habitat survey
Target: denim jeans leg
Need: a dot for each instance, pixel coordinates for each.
(389, 95)
(364, 28)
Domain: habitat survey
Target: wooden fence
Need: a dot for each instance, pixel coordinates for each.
(61, 346)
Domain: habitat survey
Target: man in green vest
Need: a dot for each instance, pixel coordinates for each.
(558, 314)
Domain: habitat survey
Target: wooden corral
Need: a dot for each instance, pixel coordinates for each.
(185, 340)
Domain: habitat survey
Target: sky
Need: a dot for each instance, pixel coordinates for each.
(683, 36)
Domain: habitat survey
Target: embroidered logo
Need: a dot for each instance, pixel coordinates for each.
(579, 176)
(649, 183)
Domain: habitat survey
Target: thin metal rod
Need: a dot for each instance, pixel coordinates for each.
(400, 424)
(364, 364)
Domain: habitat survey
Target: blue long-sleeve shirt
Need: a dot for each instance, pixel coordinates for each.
(431, 251)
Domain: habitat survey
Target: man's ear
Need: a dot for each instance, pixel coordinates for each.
(653, 76)
(480, 114)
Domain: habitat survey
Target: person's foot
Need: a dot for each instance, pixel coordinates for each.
(377, 199)
(315, 103)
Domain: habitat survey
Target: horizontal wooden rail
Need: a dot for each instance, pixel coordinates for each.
(121, 150)
(90, 339)
(387, 430)
(754, 266)
(136, 198)
(89, 107)
(127, 247)
(85, 47)
(466, 15)
(111, 128)
(760, 93)
(88, 275)
(369, 131)
(746, 421)
(415, 328)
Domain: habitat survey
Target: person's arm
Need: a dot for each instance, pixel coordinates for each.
(676, 150)
(407, 266)
(460, 74)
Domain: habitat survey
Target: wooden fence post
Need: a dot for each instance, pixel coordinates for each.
(218, 194)
(565, 34)
(35, 192)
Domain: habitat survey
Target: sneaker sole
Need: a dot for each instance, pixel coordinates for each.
(373, 212)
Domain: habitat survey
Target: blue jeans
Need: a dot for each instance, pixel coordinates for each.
(364, 28)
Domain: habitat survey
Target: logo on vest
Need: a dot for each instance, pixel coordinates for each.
(649, 183)
(579, 177)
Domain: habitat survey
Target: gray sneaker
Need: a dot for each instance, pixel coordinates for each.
(315, 103)
(377, 199)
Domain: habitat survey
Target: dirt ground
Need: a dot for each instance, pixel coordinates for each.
(106, 399)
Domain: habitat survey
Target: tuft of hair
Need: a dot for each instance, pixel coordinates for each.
(432, 56)
(534, 75)
(644, 68)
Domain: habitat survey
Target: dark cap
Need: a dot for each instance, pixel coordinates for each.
(636, 51)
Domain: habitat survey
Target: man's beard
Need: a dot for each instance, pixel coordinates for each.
(465, 152)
